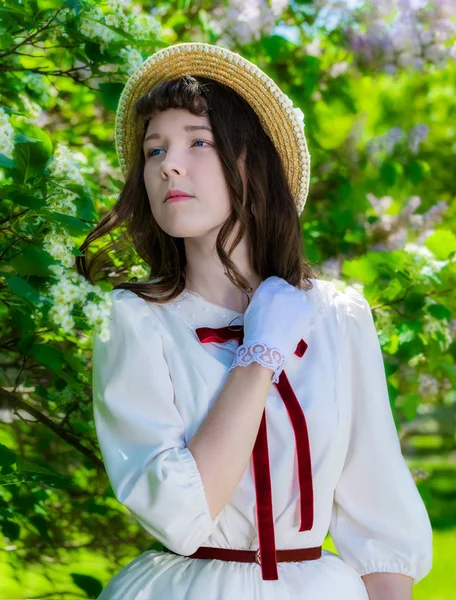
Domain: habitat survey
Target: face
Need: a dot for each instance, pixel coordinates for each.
(180, 153)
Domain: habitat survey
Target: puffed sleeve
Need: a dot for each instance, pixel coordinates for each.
(140, 431)
(379, 522)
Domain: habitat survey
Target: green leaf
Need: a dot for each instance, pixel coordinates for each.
(7, 456)
(204, 20)
(439, 311)
(6, 162)
(390, 171)
(41, 525)
(406, 333)
(414, 302)
(110, 94)
(48, 4)
(409, 405)
(94, 52)
(11, 530)
(91, 586)
(23, 289)
(354, 237)
(277, 47)
(416, 170)
(32, 261)
(449, 371)
(442, 243)
(85, 206)
(32, 150)
(393, 290)
(334, 123)
(392, 345)
(48, 355)
(72, 225)
(29, 201)
(24, 465)
(361, 269)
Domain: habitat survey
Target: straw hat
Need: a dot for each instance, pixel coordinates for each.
(281, 122)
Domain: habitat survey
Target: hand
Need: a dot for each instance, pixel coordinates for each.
(275, 321)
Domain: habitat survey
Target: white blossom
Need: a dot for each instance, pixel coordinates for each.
(428, 386)
(139, 271)
(246, 20)
(6, 134)
(132, 58)
(63, 165)
(58, 243)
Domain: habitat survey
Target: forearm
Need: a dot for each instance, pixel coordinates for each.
(388, 586)
(223, 444)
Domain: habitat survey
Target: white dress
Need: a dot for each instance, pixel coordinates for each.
(153, 384)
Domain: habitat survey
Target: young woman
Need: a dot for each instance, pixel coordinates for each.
(241, 403)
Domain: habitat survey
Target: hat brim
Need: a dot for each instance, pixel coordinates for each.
(275, 110)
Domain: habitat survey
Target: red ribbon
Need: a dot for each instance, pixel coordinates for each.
(262, 475)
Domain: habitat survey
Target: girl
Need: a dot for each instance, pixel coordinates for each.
(241, 403)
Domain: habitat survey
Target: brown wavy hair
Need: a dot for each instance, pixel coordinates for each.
(273, 229)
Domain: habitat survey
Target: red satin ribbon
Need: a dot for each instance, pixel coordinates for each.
(262, 475)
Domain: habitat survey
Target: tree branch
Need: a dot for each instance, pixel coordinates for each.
(12, 401)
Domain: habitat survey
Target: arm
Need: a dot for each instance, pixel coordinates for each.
(141, 432)
(391, 586)
(379, 522)
(142, 435)
(224, 441)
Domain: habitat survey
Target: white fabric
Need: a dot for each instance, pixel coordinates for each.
(153, 384)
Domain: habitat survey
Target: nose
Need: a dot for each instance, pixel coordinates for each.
(172, 164)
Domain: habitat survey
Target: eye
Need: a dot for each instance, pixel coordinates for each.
(151, 150)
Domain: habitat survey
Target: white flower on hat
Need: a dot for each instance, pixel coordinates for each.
(299, 114)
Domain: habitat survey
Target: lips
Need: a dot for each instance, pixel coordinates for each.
(175, 194)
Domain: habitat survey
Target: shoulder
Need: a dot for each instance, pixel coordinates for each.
(339, 299)
(128, 307)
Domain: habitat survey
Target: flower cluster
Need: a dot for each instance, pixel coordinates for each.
(71, 288)
(132, 58)
(387, 142)
(393, 229)
(396, 34)
(59, 244)
(245, 21)
(139, 271)
(63, 165)
(96, 24)
(36, 83)
(6, 134)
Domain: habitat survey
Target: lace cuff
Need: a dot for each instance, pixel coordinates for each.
(269, 357)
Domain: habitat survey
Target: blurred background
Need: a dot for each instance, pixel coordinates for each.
(376, 83)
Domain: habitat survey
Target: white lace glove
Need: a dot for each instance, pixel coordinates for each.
(275, 321)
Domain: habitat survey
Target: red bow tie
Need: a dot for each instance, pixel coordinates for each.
(262, 476)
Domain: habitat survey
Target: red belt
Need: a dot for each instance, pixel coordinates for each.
(262, 475)
(293, 555)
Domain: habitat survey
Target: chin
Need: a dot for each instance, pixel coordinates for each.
(184, 232)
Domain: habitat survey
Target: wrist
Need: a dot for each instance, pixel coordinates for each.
(258, 353)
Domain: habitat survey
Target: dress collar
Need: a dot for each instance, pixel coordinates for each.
(196, 311)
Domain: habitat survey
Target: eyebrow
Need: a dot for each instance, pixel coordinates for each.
(186, 128)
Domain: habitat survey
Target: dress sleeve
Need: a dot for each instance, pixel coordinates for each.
(379, 522)
(140, 431)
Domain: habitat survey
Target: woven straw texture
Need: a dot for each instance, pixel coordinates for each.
(275, 110)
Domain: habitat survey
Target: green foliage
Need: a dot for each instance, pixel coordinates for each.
(380, 216)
